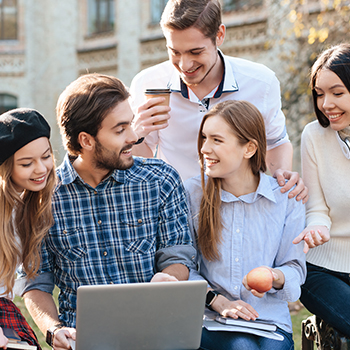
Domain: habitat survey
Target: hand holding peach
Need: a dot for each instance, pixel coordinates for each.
(262, 279)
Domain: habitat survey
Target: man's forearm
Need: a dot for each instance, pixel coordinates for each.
(280, 157)
(42, 308)
(179, 271)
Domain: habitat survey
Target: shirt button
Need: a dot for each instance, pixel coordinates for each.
(105, 253)
(95, 192)
(236, 260)
(111, 283)
(139, 221)
(99, 222)
(236, 287)
(238, 231)
(65, 232)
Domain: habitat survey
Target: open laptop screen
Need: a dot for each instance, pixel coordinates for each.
(154, 316)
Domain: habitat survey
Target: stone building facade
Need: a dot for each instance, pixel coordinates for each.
(46, 44)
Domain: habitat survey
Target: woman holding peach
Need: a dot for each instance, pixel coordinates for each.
(240, 220)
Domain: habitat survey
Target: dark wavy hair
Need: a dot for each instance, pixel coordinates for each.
(337, 60)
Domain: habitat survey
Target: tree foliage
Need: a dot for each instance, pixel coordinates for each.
(318, 20)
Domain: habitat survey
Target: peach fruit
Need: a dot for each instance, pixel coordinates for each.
(260, 279)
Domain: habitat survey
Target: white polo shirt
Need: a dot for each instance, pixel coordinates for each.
(242, 80)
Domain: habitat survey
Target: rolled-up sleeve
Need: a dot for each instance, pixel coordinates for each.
(179, 254)
(43, 281)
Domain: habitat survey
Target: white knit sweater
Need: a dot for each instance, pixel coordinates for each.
(326, 172)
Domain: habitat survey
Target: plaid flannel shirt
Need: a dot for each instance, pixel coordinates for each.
(132, 225)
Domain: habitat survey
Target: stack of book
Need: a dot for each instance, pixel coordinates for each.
(212, 321)
(15, 341)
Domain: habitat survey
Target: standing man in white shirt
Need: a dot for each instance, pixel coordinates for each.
(199, 76)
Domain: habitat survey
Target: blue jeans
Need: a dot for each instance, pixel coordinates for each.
(212, 340)
(326, 294)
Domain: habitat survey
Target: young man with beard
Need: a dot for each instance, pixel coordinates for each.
(117, 219)
(200, 76)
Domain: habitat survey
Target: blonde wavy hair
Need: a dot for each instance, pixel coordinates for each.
(25, 220)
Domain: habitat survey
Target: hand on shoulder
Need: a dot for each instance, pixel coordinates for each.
(300, 191)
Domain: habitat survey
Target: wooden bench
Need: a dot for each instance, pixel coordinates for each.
(315, 330)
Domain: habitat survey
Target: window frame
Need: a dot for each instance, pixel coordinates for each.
(156, 10)
(3, 107)
(103, 23)
(4, 20)
(237, 5)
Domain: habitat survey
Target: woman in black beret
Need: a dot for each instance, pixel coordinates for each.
(27, 181)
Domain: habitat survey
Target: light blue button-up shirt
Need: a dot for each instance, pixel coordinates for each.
(258, 230)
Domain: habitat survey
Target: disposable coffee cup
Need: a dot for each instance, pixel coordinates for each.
(150, 93)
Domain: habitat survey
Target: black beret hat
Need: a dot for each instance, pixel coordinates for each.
(18, 127)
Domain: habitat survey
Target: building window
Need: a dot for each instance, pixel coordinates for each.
(8, 19)
(101, 16)
(7, 102)
(235, 5)
(157, 7)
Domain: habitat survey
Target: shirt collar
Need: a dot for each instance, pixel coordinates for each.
(229, 81)
(265, 189)
(227, 84)
(66, 171)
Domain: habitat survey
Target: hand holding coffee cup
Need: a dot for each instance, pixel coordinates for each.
(151, 93)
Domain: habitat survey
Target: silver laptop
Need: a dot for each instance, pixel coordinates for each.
(152, 316)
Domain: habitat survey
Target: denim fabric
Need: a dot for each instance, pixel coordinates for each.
(239, 341)
(326, 294)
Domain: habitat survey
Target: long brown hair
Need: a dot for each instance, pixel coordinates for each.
(247, 124)
(25, 220)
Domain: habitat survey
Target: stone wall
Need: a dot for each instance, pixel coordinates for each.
(54, 48)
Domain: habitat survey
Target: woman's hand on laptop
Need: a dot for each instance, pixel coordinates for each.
(62, 338)
(163, 277)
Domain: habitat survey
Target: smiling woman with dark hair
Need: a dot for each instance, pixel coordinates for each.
(326, 165)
